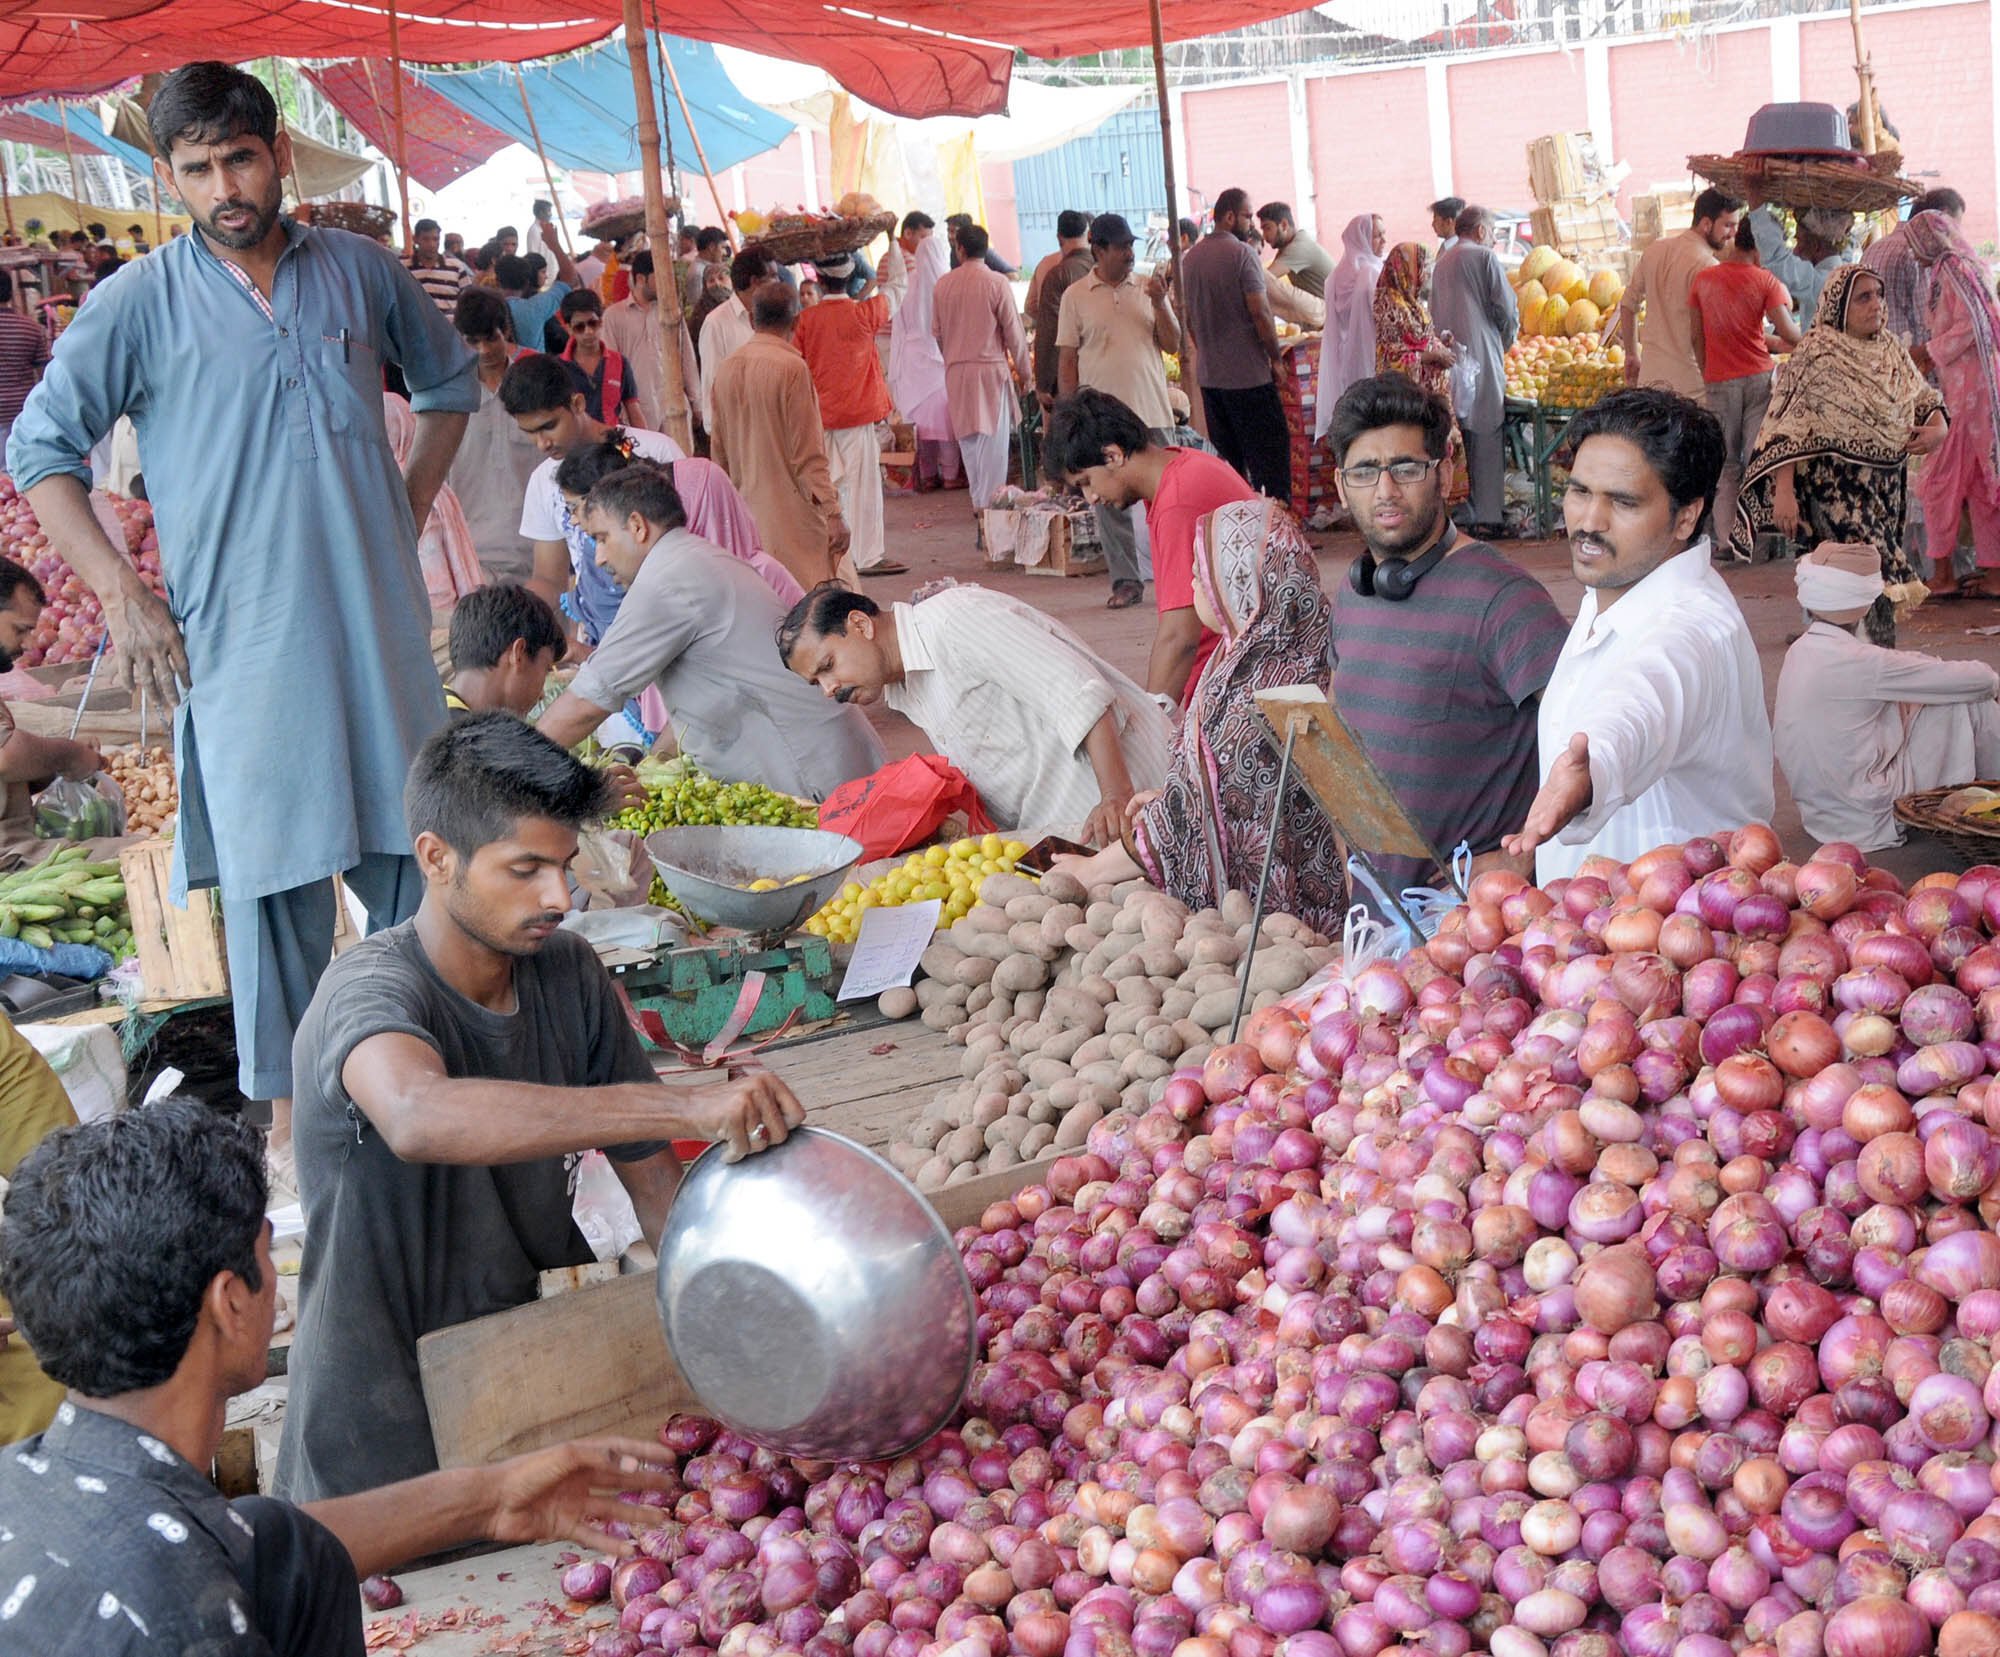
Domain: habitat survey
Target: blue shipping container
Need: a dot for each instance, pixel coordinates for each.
(1116, 169)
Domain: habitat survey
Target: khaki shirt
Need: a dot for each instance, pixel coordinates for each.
(1666, 273)
(1111, 330)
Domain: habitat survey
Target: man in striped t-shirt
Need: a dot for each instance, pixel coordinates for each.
(1441, 646)
(438, 274)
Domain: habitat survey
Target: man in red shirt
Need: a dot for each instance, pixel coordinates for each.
(1098, 444)
(837, 339)
(1728, 305)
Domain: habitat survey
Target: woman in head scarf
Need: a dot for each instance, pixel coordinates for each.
(1205, 833)
(1848, 408)
(916, 368)
(1347, 348)
(1963, 473)
(1406, 343)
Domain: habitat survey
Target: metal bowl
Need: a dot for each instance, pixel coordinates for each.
(707, 868)
(814, 1301)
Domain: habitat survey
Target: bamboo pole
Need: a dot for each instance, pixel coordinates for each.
(6, 187)
(1173, 192)
(667, 291)
(396, 107)
(701, 155)
(75, 178)
(298, 195)
(1864, 69)
(548, 174)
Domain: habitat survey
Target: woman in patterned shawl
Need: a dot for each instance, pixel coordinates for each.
(1407, 343)
(1205, 832)
(1847, 411)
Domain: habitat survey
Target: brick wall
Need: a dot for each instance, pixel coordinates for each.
(1672, 99)
(1497, 106)
(1371, 152)
(1237, 137)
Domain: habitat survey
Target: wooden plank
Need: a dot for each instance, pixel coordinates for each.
(180, 950)
(590, 1361)
(1338, 773)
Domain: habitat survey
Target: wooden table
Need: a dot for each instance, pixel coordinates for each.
(511, 1600)
(850, 1088)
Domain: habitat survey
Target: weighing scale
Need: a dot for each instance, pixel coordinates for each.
(765, 971)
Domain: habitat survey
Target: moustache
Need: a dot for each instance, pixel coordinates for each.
(844, 694)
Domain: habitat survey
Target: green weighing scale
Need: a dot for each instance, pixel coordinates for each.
(766, 970)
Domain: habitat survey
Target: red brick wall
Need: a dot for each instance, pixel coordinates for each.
(1371, 152)
(1671, 100)
(1237, 137)
(1934, 75)
(1497, 106)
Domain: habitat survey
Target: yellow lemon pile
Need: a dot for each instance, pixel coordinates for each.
(950, 874)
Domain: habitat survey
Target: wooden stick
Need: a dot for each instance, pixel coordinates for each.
(548, 174)
(701, 155)
(1167, 156)
(396, 107)
(298, 195)
(1864, 70)
(6, 191)
(666, 290)
(75, 179)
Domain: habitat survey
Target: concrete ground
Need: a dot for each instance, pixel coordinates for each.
(933, 535)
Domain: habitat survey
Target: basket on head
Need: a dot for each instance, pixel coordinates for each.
(802, 241)
(1856, 186)
(361, 217)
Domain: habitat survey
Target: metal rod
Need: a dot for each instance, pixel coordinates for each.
(548, 174)
(1173, 205)
(396, 105)
(1270, 845)
(667, 140)
(701, 155)
(83, 701)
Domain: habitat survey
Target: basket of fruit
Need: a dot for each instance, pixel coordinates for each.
(614, 221)
(795, 238)
(1966, 818)
(360, 217)
(1578, 385)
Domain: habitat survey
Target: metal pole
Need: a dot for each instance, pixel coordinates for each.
(1173, 193)
(701, 155)
(548, 176)
(396, 107)
(1270, 841)
(667, 291)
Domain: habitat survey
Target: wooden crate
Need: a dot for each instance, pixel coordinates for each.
(1581, 227)
(181, 957)
(1562, 164)
(1662, 211)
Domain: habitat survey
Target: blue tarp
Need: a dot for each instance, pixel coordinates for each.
(586, 115)
(86, 128)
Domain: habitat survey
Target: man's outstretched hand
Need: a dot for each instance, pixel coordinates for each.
(1560, 799)
(571, 1491)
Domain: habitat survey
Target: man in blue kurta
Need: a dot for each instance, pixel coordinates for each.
(296, 632)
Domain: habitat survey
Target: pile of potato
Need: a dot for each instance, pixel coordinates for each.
(146, 778)
(1071, 1004)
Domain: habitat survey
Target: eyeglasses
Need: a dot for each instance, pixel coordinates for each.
(1405, 472)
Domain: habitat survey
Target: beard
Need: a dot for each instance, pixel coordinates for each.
(1415, 532)
(263, 216)
(8, 658)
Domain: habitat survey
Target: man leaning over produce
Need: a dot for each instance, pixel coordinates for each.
(296, 631)
(450, 1071)
(696, 624)
(1051, 735)
(28, 763)
(138, 1259)
(1652, 727)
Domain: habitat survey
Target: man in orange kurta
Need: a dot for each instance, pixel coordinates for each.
(985, 358)
(768, 437)
(837, 339)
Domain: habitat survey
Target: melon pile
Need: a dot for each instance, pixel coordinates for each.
(1559, 299)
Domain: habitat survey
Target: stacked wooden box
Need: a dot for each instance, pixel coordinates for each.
(1576, 198)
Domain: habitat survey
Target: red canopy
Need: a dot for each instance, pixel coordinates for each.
(17, 127)
(440, 140)
(909, 57)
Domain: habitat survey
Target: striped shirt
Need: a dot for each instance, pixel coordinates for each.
(24, 352)
(1440, 691)
(1008, 696)
(443, 282)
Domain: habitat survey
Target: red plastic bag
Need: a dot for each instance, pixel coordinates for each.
(902, 805)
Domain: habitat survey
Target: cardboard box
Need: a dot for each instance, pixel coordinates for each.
(1063, 555)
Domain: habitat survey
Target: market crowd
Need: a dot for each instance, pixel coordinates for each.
(452, 472)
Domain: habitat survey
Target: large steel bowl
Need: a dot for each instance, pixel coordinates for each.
(814, 1301)
(709, 867)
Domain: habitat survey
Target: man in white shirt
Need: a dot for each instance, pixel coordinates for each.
(1051, 735)
(1857, 725)
(1652, 727)
(727, 328)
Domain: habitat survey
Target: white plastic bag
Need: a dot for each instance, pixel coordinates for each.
(1465, 380)
(603, 1211)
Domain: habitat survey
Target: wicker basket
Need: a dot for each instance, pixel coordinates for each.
(357, 216)
(615, 221)
(1868, 185)
(1973, 840)
(826, 238)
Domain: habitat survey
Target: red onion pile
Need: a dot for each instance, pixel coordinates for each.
(1615, 1274)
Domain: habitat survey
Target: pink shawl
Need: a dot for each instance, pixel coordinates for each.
(1959, 280)
(717, 512)
(450, 560)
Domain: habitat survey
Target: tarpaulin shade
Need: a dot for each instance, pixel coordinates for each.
(905, 57)
(18, 126)
(440, 141)
(586, 115)
(318, 169)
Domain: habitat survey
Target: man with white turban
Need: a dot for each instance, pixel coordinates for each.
(1347, 348)
(1858, 726)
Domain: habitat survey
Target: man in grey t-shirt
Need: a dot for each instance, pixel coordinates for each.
(1237, 359)
(451, 1070)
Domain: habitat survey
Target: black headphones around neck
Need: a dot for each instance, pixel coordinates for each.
(1396, 578)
